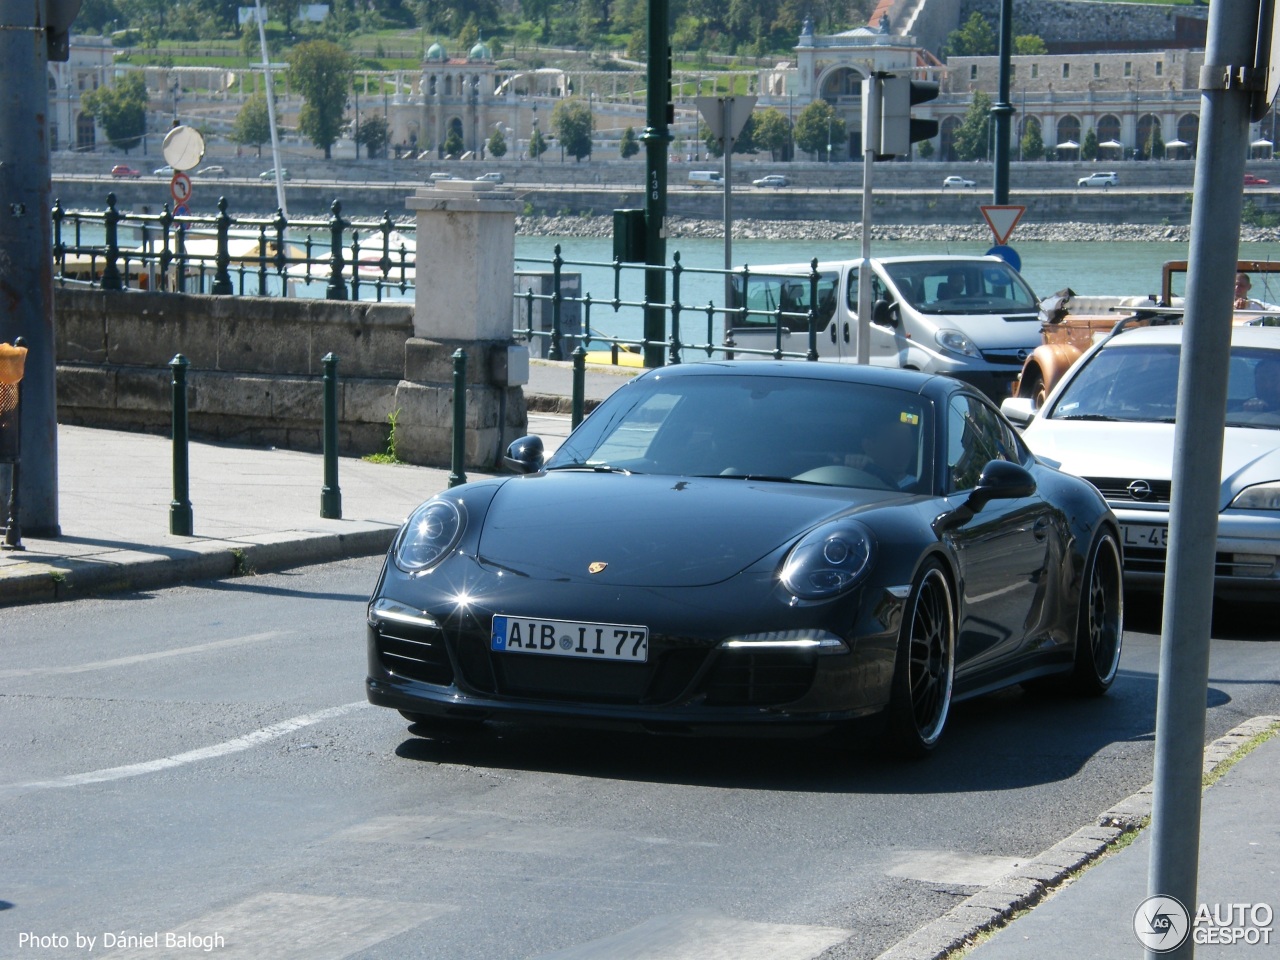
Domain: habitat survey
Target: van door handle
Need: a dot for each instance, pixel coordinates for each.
(846, 332)
(833, 333)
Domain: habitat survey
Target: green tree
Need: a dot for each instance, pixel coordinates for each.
(121, 109)
(629, 146)
(497, 142)
(1155, 143)
(970, 142)
(975, 38)
(1032, 142)
(1029, 45)
(571, 121)
(816, 126)
(537, 144)
(1089, 149)
(453, 144)
(373, 134)
(773, 132)
(322, 72)
(924, 150)
(252, 127)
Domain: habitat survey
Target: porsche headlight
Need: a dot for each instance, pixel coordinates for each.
(1261, 496)
(430, 532)
(956, 342)
(828, 560)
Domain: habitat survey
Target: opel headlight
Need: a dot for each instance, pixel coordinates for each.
(828, 560)
(1261, 496)
(956, 342)
(430, 532)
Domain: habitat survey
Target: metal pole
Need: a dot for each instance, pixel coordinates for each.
(1002, 110)
(26, 254)
(1198, 439)
(726, 120)
(330, 494)
(659, 113)
(458, 472)
(872, 91)
(180, 519)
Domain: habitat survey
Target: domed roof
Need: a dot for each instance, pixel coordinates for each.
(437, 52)
(480, 52)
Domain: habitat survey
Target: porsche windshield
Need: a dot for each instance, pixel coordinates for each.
(785, 429)
(962, 287)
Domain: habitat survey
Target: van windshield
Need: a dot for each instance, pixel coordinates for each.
(767, 294)
(968, 287)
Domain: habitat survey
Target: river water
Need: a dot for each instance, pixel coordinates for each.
(1121, 268)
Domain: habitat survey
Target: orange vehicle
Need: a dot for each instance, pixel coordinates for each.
(1074, 323)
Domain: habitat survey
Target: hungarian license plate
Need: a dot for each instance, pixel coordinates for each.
(628, 643)
(1145, 536)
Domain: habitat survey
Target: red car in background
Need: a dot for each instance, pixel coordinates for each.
(122, 170)
(1251, 181)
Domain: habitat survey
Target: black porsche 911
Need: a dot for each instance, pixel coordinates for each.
(750, 546)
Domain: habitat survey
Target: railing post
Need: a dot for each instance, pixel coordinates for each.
(110, 272)
(180, 520)
(676, 270)
(813, 310)
(557, 262)
(222, 278)
(579, 383)
(59, 248)
(331, 495)
(166, 254)
(337, 289)
(458, 473)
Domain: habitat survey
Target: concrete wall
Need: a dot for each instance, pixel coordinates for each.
(257, 367)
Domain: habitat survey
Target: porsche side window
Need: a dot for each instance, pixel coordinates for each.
(973, 441)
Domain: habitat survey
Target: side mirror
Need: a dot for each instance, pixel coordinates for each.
(999, 480)
(525, 455)
(884, 313)
(1020, 411)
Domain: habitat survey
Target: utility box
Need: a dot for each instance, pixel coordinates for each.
(536, 314)
(629, 236)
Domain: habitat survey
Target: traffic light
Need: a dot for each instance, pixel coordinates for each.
(898, 129)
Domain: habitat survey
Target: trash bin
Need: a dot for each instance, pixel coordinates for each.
(13, 358)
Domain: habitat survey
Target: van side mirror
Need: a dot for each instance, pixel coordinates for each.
(884, 313)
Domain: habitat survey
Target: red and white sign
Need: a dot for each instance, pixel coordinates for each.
(1002, 219)
(180, 187)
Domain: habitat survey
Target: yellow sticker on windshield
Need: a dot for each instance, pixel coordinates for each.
(911, 418)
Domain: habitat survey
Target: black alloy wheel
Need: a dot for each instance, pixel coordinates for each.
(1100, 628)
(925, 668)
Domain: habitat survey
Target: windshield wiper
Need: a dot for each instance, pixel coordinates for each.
(1090, 416)
(594, 467)
(762, 477)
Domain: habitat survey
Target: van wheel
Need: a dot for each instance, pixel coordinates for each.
(1032, 388)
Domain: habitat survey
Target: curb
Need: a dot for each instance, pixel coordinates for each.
(125, 569)
(993, 907)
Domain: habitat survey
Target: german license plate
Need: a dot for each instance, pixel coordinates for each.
(1145, 536)
(628, 643)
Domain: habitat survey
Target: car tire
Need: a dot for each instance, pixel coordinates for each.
(920, 698)
(1100, 626)
(1033, 389)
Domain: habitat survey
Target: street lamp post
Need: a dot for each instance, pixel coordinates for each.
(830, 119)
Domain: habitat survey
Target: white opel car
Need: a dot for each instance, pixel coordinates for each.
(1111, 420)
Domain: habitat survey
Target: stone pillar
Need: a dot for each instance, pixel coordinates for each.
(464, 296)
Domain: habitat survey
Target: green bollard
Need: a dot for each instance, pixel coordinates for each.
(458, 472)
(180, 521)
(330, 494)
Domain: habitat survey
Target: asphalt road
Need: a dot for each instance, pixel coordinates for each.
(201, 761)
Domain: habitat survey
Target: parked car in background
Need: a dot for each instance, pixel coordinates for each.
(271, 174)
(956, 182)
(493, 176)
(774, 180)
(437, 177)
(165, 171)
(1251, 180)
(904, 550)
(705, 178)
(1112, 419)
(212, 171)
(1099, 180)
(126, 171)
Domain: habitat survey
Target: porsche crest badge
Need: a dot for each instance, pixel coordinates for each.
(596, 567)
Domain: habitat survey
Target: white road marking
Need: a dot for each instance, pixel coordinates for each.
(284, 926)
(235, 745)
(708, 935)
(948, 866)
(141, 657)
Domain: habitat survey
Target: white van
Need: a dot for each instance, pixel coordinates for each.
(974, 318)
(705, 178)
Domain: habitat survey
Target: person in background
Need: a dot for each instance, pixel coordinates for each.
(1266, 386)
(1243, 301)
